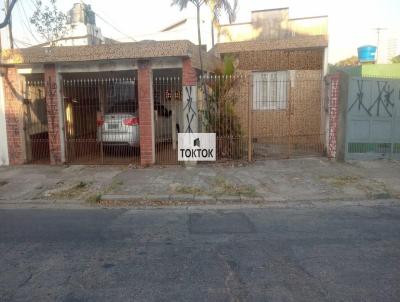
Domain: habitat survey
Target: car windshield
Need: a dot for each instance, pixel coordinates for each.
(122, 98)
(125, 107)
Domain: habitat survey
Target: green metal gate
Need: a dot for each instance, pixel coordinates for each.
(373, 119)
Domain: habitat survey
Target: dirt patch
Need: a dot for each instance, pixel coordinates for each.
(372, 188)
(3, 183)
(341, 181)
(224, 187)
(95, 198)
(219, 186)
(69, 193)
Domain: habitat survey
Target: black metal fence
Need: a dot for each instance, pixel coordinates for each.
(101, 120)
(35, 123)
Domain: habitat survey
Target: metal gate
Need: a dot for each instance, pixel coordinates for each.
(286, 114)
(35, 123)
(101, 120)
(167, 118)
(255, 116)
(373, 119)
(224, 110)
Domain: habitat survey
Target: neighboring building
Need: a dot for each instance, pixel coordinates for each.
(185, 29)
(81, 28)
(287, 59)
(374, 70)
(389, 46)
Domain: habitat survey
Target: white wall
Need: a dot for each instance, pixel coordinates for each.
(3, 133)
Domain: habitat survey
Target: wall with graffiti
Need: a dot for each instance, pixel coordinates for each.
(373, 118)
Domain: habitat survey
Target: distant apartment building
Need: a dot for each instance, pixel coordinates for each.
(81, 28)
(389, 46)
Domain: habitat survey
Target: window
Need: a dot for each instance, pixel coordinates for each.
(270, 90)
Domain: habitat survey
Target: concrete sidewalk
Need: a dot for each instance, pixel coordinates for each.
(311, 179)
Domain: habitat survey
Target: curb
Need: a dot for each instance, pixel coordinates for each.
(206, 203)
(186, 200)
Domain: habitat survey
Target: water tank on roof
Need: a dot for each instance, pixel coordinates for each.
(367, 54)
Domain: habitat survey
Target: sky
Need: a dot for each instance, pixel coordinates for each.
(351, 22)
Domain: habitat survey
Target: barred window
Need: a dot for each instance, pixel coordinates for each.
(270, 90)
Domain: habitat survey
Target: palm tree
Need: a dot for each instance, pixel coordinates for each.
(217, 7)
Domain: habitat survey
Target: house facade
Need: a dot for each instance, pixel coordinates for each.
(60, 103)
(56, 96)
(286, 60)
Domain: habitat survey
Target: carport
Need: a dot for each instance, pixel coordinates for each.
(88, 88)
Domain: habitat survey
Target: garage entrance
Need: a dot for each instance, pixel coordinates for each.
(35, 122)
(101, 119)
(167, 88)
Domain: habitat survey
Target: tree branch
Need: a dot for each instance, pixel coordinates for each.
(8, 14)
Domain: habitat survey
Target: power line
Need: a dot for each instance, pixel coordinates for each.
(22, 42)
(133, 39)
(27, 25)
(111, 25)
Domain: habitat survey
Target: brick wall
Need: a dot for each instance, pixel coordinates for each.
(273, 125)
(334, 95)
(189, 77)
(273, 60)
(145, 113)
(53, 118)
(14, 117)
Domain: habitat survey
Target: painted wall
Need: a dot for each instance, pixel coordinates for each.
(3, 132)
(374, 70)
(272, 25)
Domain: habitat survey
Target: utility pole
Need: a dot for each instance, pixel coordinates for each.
(10, 26)
(378, 33)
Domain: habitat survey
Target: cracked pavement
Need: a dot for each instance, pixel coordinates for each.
(335, 253)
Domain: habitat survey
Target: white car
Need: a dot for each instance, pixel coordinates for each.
(121, 127)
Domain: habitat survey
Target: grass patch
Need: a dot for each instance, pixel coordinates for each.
(218, 187)
(94, 199)
(114, 185)
(341, 181)
(223, 187)
(72, 192)
(188, 190)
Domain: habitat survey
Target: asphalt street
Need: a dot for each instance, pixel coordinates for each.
(336, 253)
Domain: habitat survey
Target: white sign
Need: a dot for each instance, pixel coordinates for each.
(197, 147)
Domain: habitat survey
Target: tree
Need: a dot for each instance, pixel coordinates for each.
(49, 21)
(8, 14)
(396, 59)
(351, 61)
(216, 6)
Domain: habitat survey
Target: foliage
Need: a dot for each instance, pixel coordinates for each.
(229, 67)
(351, 61)
(49, 22)
(217, 8)
(220, 117)
(396, 59)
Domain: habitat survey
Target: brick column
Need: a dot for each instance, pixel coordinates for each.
(334, 102)
(14, 117)
(53, 102)
(189, 100)
(145, 89)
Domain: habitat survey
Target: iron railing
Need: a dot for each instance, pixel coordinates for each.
(101, 120)
(35, 123)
